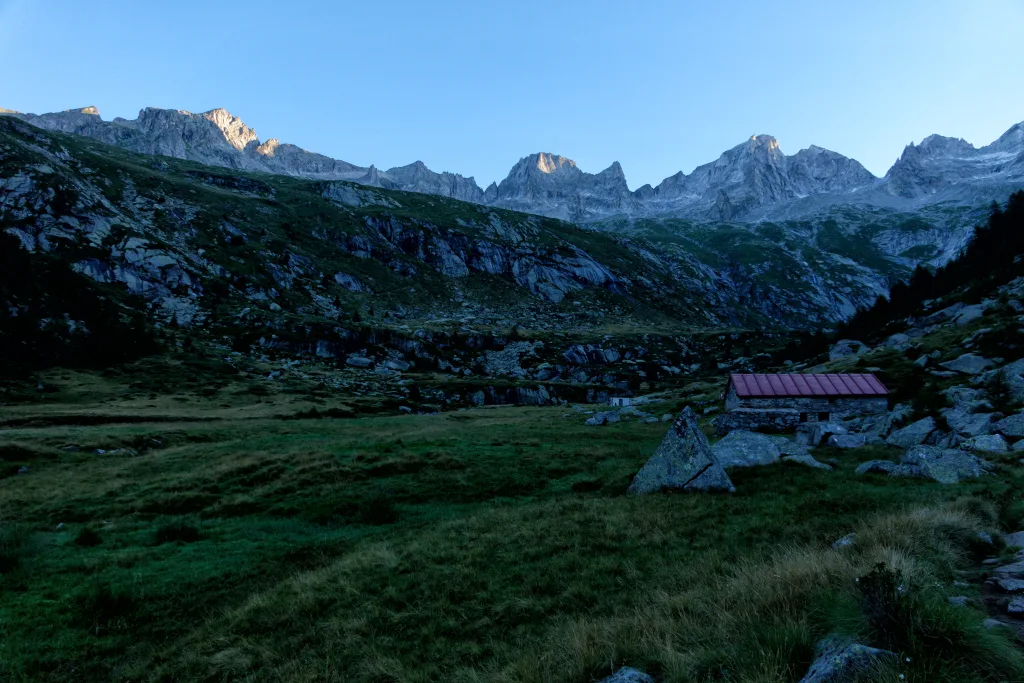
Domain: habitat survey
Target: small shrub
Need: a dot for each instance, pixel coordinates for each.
(101, 608)
(176, 531)
(885, 601)
(13, 541)
(88, 538)
(378, 511)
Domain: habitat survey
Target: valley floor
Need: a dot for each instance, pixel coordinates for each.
(224, 537)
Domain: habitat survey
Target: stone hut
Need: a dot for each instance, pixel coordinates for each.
(779, 403)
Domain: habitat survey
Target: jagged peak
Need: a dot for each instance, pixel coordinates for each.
(8, 111)
(551, 163)
(90, 110)
(268, 148)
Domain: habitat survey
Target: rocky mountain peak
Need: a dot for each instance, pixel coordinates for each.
(268, 148)
(234, 129)
(552, 163)
(8, 111)
(90, 110)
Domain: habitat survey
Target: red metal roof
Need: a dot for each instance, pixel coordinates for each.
(796, 385)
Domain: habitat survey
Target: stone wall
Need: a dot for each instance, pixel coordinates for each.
(773, 420)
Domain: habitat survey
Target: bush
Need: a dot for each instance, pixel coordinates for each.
(176, 531)
(88, 538)
(378, 511)
(885, 601)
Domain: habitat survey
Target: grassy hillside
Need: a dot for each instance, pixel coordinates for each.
(217, 537)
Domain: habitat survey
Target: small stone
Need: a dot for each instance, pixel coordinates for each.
(959, 601)
(807, 460)
(358, 362)
(627, 675)
(838, 661)
(846, 540)
(24, 469)
(1014, 540)
(1011, 585)
(405, 410)
(1016, 606)
(990, 624)
(984, 537)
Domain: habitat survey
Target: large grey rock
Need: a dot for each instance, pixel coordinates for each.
(913, 434)
(969, 314)
(968, 364)
(1016, 606)
(741, 448)
(839, 661)
(599, 419)
(683, 462)
(1014, 540)
(1011, 585)
(627, 675)
(1013, 375)
(1012, 426)
(966, 423)
(990, 443)
(945, 466)
(358, 362)
(847, 347)
(888, 467)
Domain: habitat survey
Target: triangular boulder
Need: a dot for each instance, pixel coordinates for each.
(683, 462)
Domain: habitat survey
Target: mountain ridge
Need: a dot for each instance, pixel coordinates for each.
(750, 182)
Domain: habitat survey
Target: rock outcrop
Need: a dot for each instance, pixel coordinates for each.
(683, 462)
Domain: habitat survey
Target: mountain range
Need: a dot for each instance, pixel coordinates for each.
(752, 182)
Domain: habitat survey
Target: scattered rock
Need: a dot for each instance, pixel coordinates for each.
(741, 448)
(968, 364)
(599, 419)
(1014, 540)
(838, 661)
(969, 314)
(405, 410)
(683, 462)
(990, 624)
(846, 540)
(627, 675)
(358, 362)
(959, 601)
(913, 434)
(1012, 426)
(991, 443)
(876, 466)
(985, 538)
(847, 440)
(807, 460)
(1011, 585)
(847, 347)
(1016, 606)
(667, 417)
(963, 421)
(944, 465)
(24, 469)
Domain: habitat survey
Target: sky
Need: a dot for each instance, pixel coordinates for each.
(471, 87)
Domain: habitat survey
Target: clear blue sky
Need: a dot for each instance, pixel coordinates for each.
(471, 87)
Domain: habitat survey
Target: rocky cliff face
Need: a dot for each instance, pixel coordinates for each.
(751, 182)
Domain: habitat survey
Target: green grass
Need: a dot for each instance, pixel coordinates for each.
(493, 544)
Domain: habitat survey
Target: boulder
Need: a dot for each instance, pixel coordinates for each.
(1012, 426)
(683, 462)
(358, 362)
(1011, 585)
(847, 440)
(1016, 606)
(990, 624)
(807, 460)
(604, 418)
(627, 675)
(968, 364)
(946, 466)
(888, 467)
(847, 347)
(1014, 540)
(1013, 374)
(913, 434)
(991, 443)
(963, 422)
(839, 661)
(898, 341)
(969, 314)
(746, 449)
